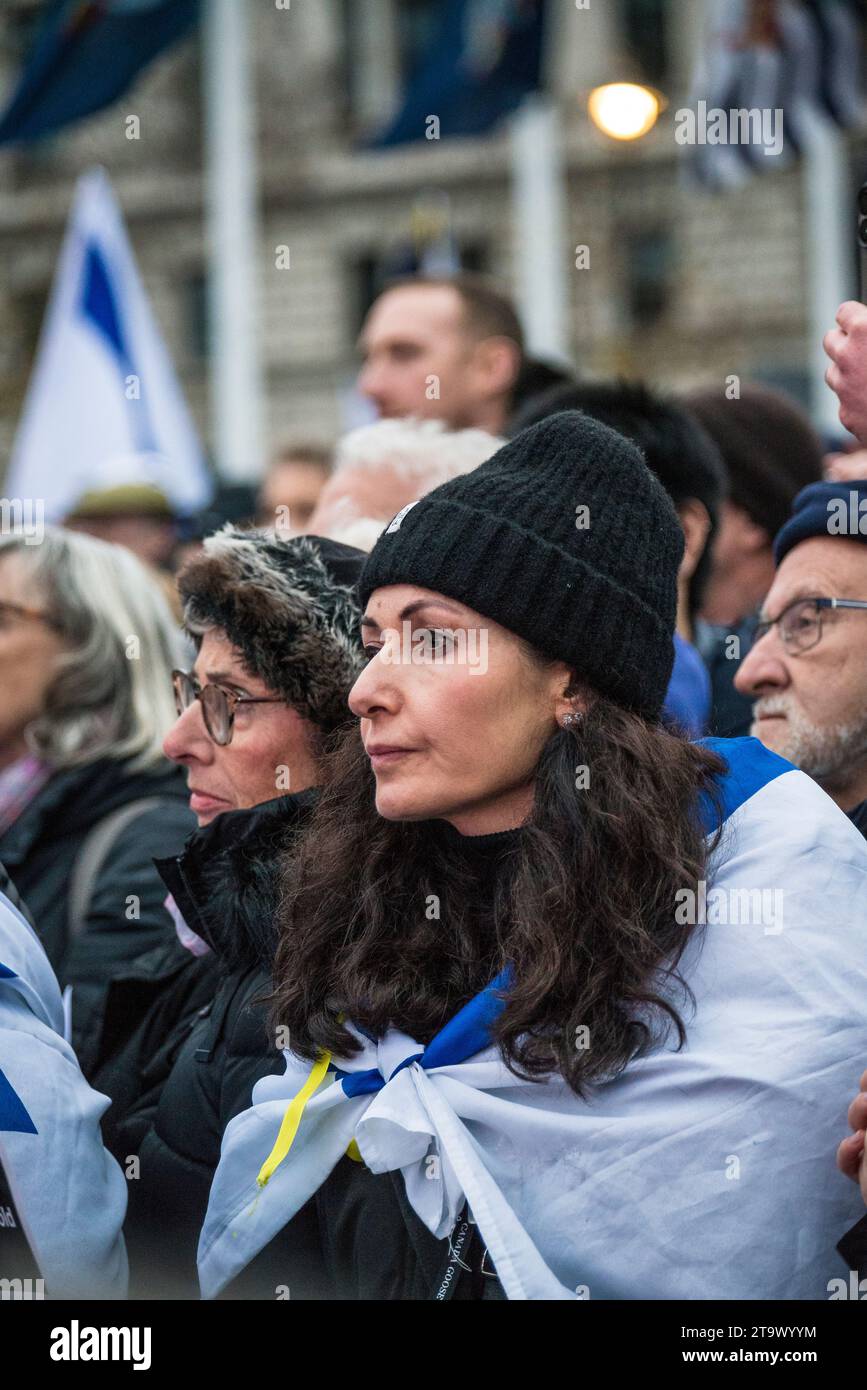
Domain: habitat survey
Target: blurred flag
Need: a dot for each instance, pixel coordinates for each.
(799, 57)
(86, 54)
(425, 244)
(103, 406)
(485, 57)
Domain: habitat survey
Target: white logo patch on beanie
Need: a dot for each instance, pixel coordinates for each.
(394, 524)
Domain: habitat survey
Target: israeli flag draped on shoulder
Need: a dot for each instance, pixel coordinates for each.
(103, 406)
(68, 1192)
(703, 1173)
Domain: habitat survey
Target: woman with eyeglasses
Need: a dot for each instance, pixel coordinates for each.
(87, 645)
(274, 623)
(572, 1004)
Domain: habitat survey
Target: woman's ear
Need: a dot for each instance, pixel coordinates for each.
(568, 694)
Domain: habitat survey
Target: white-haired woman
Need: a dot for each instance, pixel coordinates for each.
(87, 646)
(381, 468)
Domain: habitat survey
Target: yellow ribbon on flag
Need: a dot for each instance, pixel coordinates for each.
(292, 1119)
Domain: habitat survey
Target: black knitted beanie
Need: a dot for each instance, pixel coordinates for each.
(565, 538)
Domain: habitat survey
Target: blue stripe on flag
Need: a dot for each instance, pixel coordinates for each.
(751, 766)
(99, 303)
(6, 973)
(13, 1116)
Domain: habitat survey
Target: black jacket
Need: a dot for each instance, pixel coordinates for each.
(185, 1039)
(188, 1067)
(8, 889)
(40, 850)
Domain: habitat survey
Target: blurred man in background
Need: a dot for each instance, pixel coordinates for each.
(807, 669)
(443, 347)
(137, 516)
(381, 468)
(291, 486)
(770, 451)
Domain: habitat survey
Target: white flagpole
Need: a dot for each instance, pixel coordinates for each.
(829, 241)
(542, 257)
(236, 380)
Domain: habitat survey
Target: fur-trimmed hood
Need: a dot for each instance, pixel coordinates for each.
(290, 608)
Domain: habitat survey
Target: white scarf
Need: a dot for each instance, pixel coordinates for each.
(704, 1173)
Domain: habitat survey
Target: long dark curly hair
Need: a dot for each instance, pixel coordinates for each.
(582, 908)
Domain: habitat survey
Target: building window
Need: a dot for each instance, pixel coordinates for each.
(649, 265)
(26, 310)
(644, 26)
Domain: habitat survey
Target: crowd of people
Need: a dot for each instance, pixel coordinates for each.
(442, 873)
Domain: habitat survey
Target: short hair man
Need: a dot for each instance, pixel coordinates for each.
(291, 486)
(807, 668)
(443, 347)
(770, 451)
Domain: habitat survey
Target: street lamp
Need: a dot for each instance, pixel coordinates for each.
(624, 110)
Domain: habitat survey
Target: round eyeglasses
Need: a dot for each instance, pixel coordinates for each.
(218, 704)
(800, 625)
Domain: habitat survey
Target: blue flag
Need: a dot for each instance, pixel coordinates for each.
(86, 54)
(13, 1115)
(485, 57)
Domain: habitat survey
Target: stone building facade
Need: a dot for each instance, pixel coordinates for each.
(682, 285)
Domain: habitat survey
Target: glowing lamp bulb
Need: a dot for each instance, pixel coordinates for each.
(624, 110)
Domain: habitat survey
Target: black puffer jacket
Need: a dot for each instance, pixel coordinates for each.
(40, 851)
(185, 1040)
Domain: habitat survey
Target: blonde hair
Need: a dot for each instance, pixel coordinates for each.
(111, 693)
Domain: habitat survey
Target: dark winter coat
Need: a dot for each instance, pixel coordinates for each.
(358, 1238)
(40, 850)
(185, 1040)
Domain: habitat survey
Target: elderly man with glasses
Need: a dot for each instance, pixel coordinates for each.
(807, 668)
(807, 673)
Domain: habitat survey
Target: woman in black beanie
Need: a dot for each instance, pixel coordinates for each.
(485, 974)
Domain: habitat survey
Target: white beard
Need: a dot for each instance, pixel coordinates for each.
(825, 752)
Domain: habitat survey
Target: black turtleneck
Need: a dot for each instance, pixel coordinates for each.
(483, 855)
